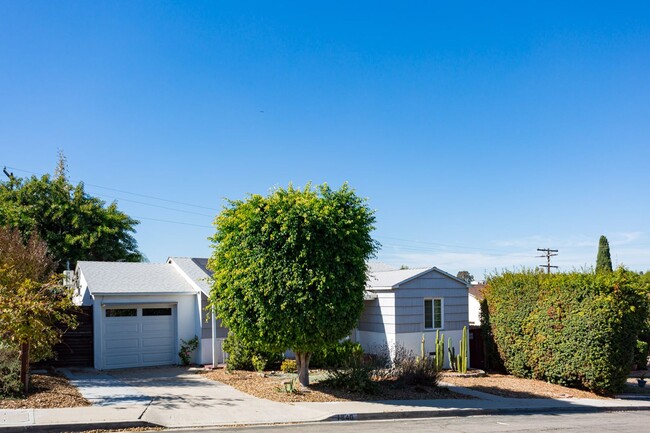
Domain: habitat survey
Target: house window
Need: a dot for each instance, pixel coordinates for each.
(121, 312)
(432, 313)
(156, 311)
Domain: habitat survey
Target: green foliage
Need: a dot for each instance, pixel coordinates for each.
(641, 355)
(355, 378)
(604, 259)
(187, 347)
(74, 225)
(242, 356)
(288, 366)
(493, 361)
(32, 301)
(10, 385)
(290, 268)
(341, 354)
(574, 329)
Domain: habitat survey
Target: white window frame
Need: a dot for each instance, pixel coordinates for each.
(433, 311)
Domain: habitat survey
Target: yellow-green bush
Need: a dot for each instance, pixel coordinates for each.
(574, 329)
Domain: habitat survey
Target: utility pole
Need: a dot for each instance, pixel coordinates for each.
(549, 253)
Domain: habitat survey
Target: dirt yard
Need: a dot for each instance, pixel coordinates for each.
(271, 387)
(47, 392)
(514, 387)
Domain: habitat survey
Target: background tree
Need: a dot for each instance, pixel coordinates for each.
(74, 225)
(603, 260)
(465, 276)
(290, 268)
(32, 302)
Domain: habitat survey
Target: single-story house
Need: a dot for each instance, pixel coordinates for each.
(403, 306)
(142, 311)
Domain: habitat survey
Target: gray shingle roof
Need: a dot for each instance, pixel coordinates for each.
(196, 269)
(133, 278)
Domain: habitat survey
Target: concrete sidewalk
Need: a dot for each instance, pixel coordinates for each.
(176, 397)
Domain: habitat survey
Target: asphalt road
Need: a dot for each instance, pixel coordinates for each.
(593, 422)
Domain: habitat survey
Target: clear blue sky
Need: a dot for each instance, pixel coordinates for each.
(479, 131)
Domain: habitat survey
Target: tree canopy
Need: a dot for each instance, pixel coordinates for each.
(604, 259)
(32, 302)
(465, 276)
(74, 225)
(290, 268)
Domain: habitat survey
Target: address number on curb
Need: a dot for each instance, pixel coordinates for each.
(346, 417)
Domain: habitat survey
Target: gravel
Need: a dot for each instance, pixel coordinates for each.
(47, 391)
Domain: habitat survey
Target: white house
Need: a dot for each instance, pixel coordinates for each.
(404, 305)
(474, 298)
(142, 311)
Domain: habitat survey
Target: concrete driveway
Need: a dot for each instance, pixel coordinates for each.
(180, 397)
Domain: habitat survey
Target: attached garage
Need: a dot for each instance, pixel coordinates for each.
(139, 336)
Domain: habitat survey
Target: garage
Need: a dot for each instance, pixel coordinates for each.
(138, 335)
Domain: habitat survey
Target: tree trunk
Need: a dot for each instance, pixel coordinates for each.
(302, 363)
(24, 366)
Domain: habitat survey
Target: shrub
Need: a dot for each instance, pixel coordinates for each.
(187, 348)
(338, 355)
(356, 378)
(240, 356)
(573, 329)
(641, 355)
(289, 366)
(10, 385)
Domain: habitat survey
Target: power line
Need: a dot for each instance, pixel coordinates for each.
(549, 253)
(126, 192)
(153, 205)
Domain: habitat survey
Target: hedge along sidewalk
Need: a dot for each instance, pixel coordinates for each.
(575, 329)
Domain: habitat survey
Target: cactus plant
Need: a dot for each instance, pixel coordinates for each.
(440, 350)
(453, 360)
(462, 356)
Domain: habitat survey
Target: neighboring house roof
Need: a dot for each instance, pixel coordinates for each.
(380, 267)
(476, 290)
(393, 279)
(133, 278)
(196, 269)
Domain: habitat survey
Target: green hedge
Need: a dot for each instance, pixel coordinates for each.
(573, 329)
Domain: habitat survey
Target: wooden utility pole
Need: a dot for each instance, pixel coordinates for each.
(548, 254)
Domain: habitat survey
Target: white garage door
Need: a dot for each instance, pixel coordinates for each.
(139, 336)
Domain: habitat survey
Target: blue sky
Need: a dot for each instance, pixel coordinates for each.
(479, 131)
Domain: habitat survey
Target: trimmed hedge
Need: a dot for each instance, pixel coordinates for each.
(573, 329)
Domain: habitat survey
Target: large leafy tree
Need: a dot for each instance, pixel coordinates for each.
(33, 305)
(465, 276)
(74, 225)
(290, 268)
(604, 259)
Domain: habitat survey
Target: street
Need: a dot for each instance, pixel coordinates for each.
(592, 422)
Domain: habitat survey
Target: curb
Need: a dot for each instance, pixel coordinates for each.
(76, 427)
(378, 416)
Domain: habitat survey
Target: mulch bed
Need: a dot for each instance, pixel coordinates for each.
(270, 387)
(47, 391)
(515, 387)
